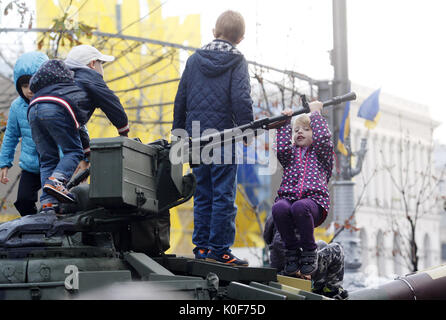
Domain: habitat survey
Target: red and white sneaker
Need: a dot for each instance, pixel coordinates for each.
(226, 258)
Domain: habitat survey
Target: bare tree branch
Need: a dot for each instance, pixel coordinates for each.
(347, 223)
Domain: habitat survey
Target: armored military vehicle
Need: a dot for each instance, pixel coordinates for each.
(117, 232)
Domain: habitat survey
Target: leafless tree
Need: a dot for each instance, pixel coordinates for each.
(65, 31)
(415, 186)
(349, 224)
(21, 8)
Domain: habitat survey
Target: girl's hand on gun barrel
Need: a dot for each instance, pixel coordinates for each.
(316, 106)
(287, 112)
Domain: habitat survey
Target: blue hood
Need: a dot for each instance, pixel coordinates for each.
(213, 63)
(214, 90)
(27, 64)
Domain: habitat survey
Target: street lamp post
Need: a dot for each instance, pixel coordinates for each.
(343, 186)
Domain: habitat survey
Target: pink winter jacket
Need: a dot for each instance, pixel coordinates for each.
(306, 174)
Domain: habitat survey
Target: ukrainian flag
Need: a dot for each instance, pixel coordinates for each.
(344, 130)
(369, 110)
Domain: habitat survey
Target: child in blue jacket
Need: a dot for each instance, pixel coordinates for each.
(64, 101)
(215, 93)
(18, 127)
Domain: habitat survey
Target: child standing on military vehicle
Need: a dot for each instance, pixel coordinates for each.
(215, 92)
(306, 155)
(18, 127)
(64, 101)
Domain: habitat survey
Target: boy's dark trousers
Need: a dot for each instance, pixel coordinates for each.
(29, 187)
(214, 206)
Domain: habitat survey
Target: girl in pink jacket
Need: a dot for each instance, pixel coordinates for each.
(305, 152)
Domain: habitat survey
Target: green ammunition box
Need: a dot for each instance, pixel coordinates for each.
(123, 174)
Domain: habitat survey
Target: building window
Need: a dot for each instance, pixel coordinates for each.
(443, 251)
(364, 248)
(427, 252)
(397, 255)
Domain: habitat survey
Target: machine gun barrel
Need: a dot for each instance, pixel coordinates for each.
(238, 133)
(305, 109)
(339, 99)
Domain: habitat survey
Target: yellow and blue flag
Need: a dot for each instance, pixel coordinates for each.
(344, 129)
(369, 110)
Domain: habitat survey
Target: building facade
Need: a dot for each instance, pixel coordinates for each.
(396, 192)
(440, 165)
(395, 186)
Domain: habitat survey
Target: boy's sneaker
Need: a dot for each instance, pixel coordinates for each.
(58, 190)
(200, 253)
(226, 258)
(292, 263)
(49, 208)
(53, 208)
(308, 262)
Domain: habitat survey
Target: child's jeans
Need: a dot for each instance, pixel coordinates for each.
(52, 126)
(214, 206)
(299, 216)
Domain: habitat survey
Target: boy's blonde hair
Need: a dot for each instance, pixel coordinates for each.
(302, 120)
(230, 25)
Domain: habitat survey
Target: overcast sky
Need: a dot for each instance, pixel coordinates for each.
(396, 45)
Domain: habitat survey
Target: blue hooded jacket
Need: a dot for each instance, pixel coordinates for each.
(215, 90)
(18, 126)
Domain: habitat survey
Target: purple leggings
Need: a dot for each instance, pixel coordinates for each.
(300, 216)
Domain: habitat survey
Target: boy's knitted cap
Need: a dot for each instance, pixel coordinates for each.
(51, 72)
(85, 53)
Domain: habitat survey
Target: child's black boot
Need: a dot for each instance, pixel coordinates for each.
(308, 262)
(292, 265)
(337, 293)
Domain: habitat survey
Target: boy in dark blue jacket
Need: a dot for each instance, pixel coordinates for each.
(215, 93)
(64, 101)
